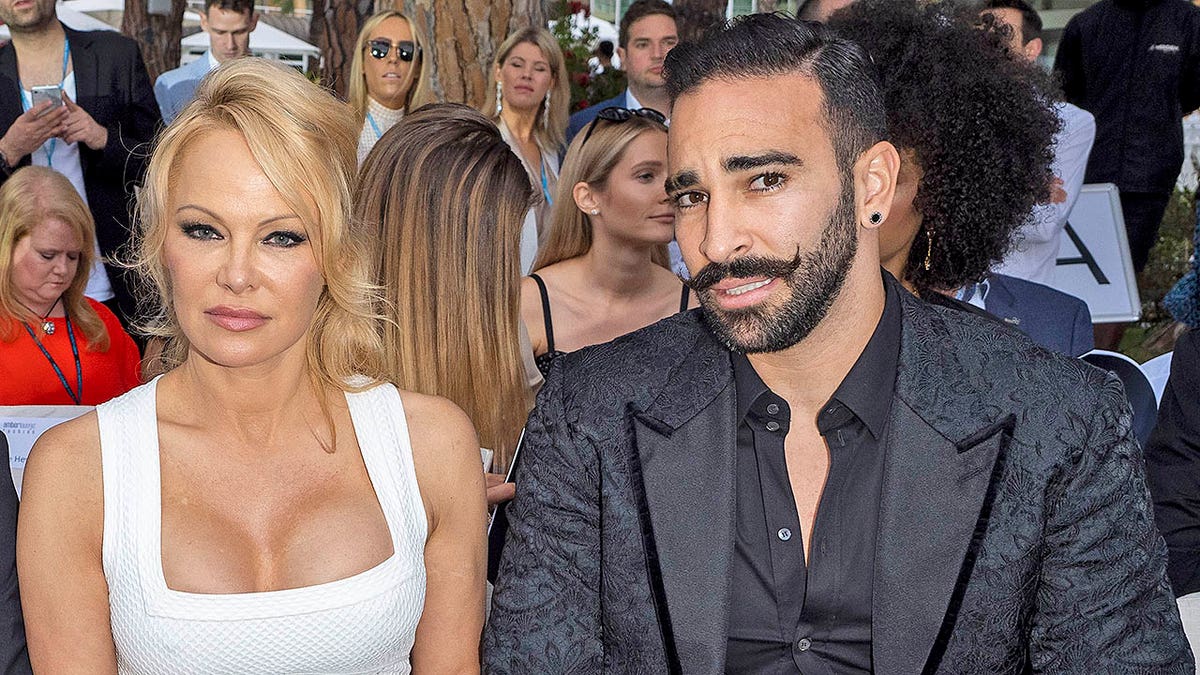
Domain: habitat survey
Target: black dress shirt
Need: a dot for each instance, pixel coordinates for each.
(788, 614)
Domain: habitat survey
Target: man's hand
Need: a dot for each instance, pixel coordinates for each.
(498, 491)
(1057, 194)
(79, 127)
(33, 128)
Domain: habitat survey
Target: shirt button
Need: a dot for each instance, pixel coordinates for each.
(772, 408)
(772, 426)
(803, 644)
(784, 534)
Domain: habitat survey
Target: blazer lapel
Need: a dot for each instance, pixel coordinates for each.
(684, 454)
(944, 458)
(10, 91)
(84, 65)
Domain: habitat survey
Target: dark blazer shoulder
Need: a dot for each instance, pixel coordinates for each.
(958, 369)
(635, 369)
(111, 41)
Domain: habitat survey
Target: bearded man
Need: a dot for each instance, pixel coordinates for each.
(817, 472)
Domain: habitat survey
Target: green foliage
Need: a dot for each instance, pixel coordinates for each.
(577, 41)
(1169, 258)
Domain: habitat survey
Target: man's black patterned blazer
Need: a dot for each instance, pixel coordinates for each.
(1015, 529)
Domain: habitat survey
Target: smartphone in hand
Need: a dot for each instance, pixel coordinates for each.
(49, 92)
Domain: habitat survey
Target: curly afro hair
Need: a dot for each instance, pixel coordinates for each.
(980, 122)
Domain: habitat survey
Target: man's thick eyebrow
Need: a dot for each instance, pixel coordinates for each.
(747, 162)
(683, 179)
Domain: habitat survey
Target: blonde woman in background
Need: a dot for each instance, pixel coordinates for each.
(388, 76)
(529, 99)
(603, 266)
(269, 504)
(57, 346)
(446, 197)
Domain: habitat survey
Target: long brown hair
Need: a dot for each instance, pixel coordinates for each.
(569, 232)
(31, 196)
(447, 198)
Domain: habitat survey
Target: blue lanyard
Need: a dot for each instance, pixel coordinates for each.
(546, 186)
(27, 103)
(76, 394)
(374, 126)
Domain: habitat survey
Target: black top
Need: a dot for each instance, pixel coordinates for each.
(1135, 65)
(546, 359)
(1173, 466)
(792, 615)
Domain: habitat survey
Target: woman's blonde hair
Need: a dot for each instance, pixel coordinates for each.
(30, 197)
(550, 129)
(304, 141)
(447, 197)
(569, 231)
(419, 93)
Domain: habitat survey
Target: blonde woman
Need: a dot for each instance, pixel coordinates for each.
(388, 76)
(602, 271)
(528, 99)
(268, 504)
(57, 347)
(447, 196)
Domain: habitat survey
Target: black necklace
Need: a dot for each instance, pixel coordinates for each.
(77, 393)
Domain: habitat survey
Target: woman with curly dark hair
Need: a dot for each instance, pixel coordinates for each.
(974, 130)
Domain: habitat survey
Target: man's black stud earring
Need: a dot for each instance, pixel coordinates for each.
(876, 218)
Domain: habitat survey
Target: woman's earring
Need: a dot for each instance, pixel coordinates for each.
(546, 112)
(498, 90)
(594, 212)
(876, 218)
(928, 248)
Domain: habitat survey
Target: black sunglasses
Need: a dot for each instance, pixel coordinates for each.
(618, 115)
(380, 48)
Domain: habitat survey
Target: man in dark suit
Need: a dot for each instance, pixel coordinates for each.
(818, 472)
(1051, 318)
(99, 133)
(647, 34)
(1173, 465)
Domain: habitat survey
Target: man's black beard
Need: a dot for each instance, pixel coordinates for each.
(815, 278)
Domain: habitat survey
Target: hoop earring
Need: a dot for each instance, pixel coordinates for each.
(498, 92)
(928, 248)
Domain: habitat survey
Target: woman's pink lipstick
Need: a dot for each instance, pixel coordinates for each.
(235, 319)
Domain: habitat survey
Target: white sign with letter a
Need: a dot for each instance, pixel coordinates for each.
(1094, 263)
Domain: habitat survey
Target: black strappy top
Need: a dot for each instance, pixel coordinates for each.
(544, 361)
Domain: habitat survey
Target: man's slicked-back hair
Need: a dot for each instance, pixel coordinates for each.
(767, 45)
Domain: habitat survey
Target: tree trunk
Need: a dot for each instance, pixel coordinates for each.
(461, 38)
(157, 35)
(696, 15)
(334, 29)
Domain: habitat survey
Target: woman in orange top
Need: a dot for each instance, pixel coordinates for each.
(57, 347)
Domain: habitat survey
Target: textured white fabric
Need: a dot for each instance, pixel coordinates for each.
(385, 118)
(365, 623)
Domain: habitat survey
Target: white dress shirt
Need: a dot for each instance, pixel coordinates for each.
(1035, 251)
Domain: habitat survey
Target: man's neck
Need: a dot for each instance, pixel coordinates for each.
(652, 97)
(42, 41)
(808, 373)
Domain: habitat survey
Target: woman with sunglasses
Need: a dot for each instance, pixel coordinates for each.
(387, 76)
(528, 99)
(602, 271)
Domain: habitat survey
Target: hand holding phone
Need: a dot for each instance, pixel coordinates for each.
(50, 92)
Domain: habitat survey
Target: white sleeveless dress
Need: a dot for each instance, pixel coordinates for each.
(361, 624)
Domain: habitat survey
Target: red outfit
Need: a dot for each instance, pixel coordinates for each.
(27, 378)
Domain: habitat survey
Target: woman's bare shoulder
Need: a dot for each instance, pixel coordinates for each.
(64, 472)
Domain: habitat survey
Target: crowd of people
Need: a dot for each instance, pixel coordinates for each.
(755, 359)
